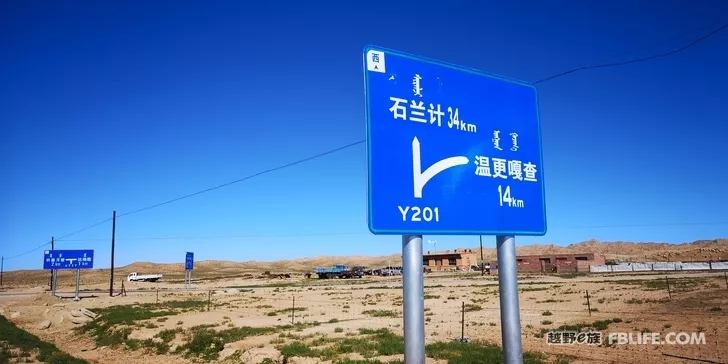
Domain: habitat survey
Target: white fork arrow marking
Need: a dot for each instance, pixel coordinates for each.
(421, 178)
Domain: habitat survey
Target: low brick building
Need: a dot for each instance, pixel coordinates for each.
(449, 260)
(555, 263)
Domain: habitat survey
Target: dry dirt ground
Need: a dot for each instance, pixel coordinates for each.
(310, 321)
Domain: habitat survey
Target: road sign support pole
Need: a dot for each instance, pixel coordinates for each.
(509, 305)
(189, 265)
(54, 283)
(113, 243)
(414, 304)
(53, 246)
(78, 284)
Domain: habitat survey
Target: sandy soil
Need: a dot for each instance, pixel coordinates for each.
(699, 302)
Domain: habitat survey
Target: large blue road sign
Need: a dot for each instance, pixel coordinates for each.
(189, 260)
(68, 259)
(451, 150)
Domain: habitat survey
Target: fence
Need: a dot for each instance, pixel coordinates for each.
(454, 320)
(659, 266)
(458, 312)
(466, 312)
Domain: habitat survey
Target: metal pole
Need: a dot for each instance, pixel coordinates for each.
(293, 311)
(414, 301)
(509, 306)
(667, 282)
(2, 266)
(54, 277)
(462, 324)
(53, 246)
(482, 261)
(78, 284)
(113, 243)
(588, 304)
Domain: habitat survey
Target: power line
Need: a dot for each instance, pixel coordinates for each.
(61, 238)
(84, 229)
(246, 236)
(320, 155)
(637, 60)
(332, 151)
(249, 236)
(364, 140)
(335, 150)
(29, 251)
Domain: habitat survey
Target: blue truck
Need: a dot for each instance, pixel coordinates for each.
(338, 271)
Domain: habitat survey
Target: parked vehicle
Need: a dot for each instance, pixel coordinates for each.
(339, 271)
(136, 277)
(330, 272)
(352, 273)
(391, 271)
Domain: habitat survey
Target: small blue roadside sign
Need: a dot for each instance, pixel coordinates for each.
(68, 259)
(189, 261)
(451, 150)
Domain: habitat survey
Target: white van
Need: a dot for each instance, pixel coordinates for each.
(391, 271)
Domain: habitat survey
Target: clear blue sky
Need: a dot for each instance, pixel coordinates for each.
(106, 106)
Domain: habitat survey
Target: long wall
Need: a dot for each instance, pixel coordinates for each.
(560, 263)
(658, 266)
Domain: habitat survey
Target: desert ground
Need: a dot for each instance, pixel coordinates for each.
(255, 320)
(233, 315)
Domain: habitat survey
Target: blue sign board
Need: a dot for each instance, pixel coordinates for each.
(68, 259)
(451, 150)
(189, 260)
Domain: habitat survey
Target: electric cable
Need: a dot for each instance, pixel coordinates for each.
(346, 146)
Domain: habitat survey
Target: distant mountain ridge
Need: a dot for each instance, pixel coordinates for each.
(701, 250)
(716, 249)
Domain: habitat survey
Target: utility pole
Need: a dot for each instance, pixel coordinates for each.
(2, 266)
(53, 246)
(113, 242)
(482, 262)
(435, 243)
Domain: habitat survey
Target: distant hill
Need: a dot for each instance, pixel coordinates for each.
(697, 250)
